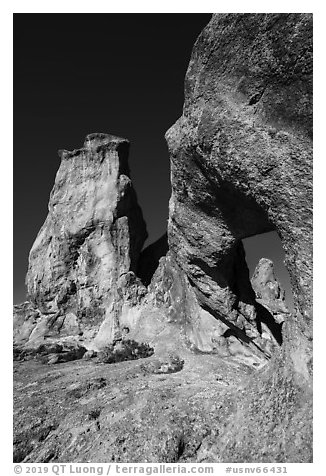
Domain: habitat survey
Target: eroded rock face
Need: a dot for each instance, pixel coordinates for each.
(241, 158)
(268, 290)
(240, 166)
(200, 329)
(91, 238)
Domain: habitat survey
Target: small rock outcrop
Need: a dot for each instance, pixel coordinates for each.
(89, 243)
(268, 290)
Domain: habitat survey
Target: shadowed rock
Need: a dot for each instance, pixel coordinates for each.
(150, 257)
(242, 167)
(241, 164)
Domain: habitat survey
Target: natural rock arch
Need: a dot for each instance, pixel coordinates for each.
(241, 164)
(242, 167)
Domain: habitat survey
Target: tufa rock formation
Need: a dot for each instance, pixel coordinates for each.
(241, 160)
(237, 363)
(88, 247)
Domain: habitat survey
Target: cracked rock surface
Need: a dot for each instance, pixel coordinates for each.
(242, 166)
(138, 412)
(89, 243)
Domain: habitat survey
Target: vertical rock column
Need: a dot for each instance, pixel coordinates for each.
(93, 235)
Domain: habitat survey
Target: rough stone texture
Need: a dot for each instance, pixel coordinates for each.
(51, 352)
(268, 290)
(91, 239)
(132, 412)
(241, 165)
(26, 318)
(200, 330)
(241, 157)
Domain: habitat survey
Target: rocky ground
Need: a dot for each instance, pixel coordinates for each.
(148, 410)
(84, 411)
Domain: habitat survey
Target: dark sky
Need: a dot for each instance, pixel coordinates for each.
(80, 73)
